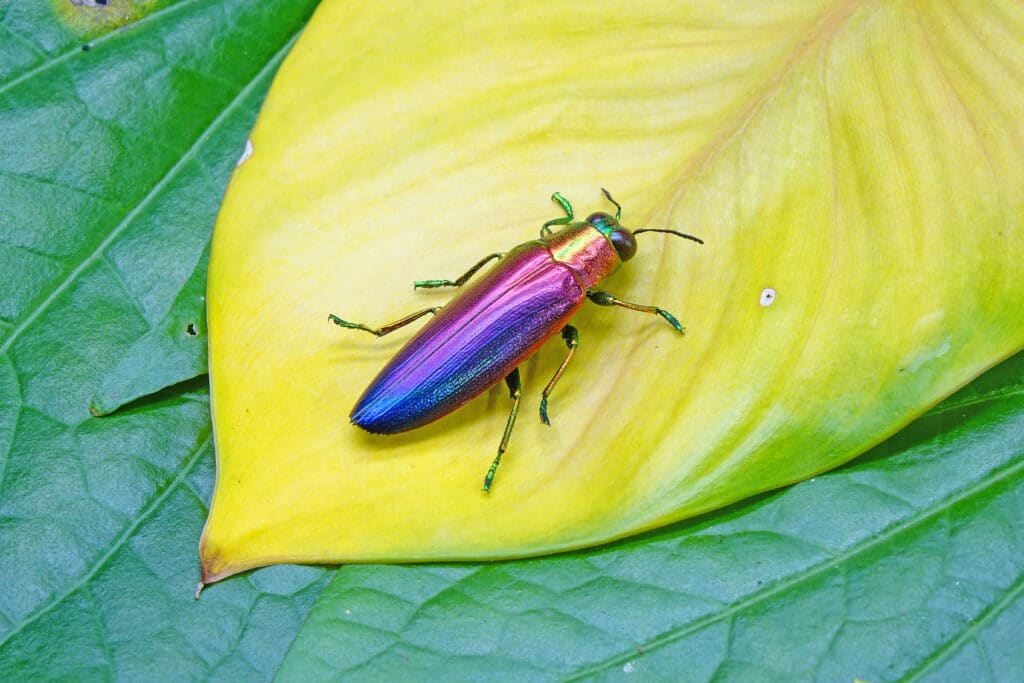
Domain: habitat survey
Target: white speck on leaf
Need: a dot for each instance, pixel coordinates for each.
(246, 153)
(767, 296)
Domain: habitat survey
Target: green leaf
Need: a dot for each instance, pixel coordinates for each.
(172, 352)
(909, 563)
(112, 165)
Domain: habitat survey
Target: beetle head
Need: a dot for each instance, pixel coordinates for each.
(623, 240)
(620, 237)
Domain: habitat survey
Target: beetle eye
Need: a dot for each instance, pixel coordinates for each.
(624, 243)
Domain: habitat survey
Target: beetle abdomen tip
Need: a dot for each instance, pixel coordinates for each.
(365, 428)
(371, 427)
(378, 423)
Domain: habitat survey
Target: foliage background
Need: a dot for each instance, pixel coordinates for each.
(906, 564)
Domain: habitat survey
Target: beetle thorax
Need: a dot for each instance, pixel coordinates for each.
(586, 250)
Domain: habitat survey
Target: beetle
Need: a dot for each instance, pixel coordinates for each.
(499, 321)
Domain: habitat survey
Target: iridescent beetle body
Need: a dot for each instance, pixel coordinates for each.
(496, 323)
(474, 341)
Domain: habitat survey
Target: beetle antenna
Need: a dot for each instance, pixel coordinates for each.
(618, 211)
(671, 232)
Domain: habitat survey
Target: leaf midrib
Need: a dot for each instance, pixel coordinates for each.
(823, 28)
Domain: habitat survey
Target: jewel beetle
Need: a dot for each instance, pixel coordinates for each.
(497, 322)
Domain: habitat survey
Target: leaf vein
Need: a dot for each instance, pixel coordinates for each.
(815, 571)
(201, 139)
(976, 624)
(118, 543)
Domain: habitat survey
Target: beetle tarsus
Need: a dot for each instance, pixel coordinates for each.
(672, 320)
(489, 478)
(352, 326)
(433, 284)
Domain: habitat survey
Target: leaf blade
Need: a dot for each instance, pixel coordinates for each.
(831, 182)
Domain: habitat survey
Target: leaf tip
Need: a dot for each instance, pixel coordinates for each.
(214, 567)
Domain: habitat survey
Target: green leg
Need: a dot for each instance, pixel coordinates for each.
(572, 339)
(387, 329)
(515, 390)
(605, 299)
(463, 279)
(566, 206)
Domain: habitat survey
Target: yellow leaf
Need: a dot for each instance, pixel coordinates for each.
(856, 169)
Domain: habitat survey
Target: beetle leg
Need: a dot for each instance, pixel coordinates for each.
(606, 299)
(572, 339)
(545, 229)
(386, 329)
(430, 284)
(515, 390)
